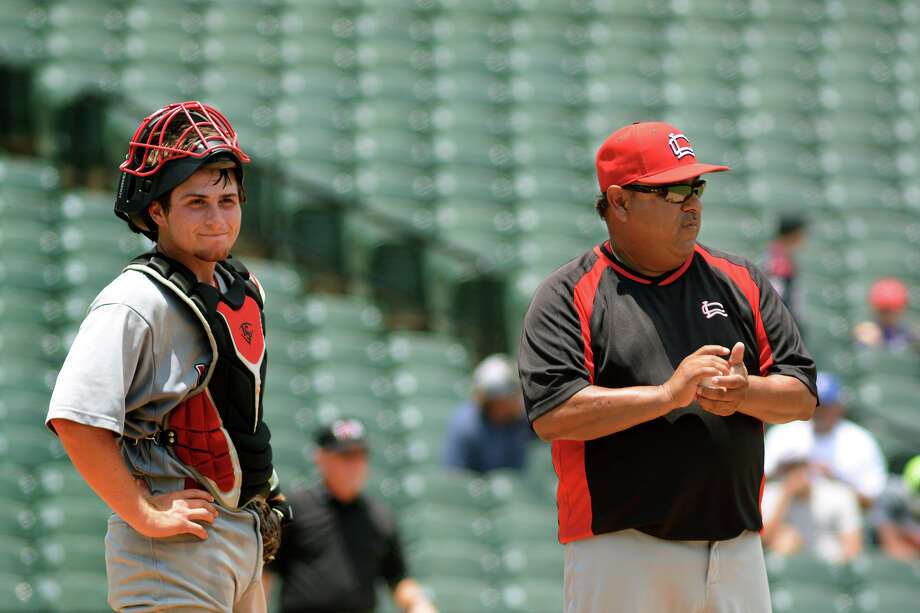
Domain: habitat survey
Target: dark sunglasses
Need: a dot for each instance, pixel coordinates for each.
(677, 194)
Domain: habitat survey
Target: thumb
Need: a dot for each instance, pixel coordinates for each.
(737, 355)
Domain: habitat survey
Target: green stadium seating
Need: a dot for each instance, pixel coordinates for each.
(888, 599)
(430, 522)
(462, 595)
(535, 560)
(458, 559)
(73, 591)
(808, 598)
(452, 487)
(29, 445)
(68, 552)
(804, 568)
(878, 570)
(519, 522)
(73, 516)
(17, 594)
(533, 594)
(17, 555)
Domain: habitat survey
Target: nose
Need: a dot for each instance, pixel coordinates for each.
(693, 203)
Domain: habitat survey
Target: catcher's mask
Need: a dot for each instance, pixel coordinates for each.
(156, 163)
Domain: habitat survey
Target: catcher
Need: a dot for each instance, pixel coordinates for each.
(159, 402)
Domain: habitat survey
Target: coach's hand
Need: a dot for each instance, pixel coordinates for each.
(725, 393)
(177, 513)
(703, 363)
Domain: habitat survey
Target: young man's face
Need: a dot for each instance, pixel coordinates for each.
(204, 216)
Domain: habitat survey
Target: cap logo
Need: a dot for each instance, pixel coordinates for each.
(347, 429)
(678, 150)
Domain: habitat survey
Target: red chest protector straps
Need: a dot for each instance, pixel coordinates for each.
(217, 431)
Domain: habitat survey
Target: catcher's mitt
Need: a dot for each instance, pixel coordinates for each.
(272, 515)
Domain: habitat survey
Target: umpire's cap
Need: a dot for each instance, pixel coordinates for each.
(344, 434)
(648, 151)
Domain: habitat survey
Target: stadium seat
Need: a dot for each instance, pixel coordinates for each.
(71, 552)
(522, 522)
(879, 571)
(17, 594)
(535, 560)
(431, 522)
(29, 445)
(807, 569)
(458, 559)
(888, 599)
(808, 598)
(453, 487)
(462, 595)
(73, 516)
(16, 518)
(533, 594)
(73, 591)
(17, 555)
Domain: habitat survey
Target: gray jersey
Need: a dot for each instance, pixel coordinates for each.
(137, 355)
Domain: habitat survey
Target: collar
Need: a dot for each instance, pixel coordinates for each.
(606, 253)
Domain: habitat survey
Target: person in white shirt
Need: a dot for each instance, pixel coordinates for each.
(841, 449)
(805, 512)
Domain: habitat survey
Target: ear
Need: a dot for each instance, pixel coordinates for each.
(617, 200)
(157, 214)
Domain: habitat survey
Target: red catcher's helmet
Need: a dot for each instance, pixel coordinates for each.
(167, 148)
(889, 294)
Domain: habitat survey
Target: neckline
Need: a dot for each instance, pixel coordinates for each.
(604, 250)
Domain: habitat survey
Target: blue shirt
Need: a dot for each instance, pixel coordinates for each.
(475, 443)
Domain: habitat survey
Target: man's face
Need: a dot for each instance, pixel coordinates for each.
(504, 409)
(344, 472)
(670, 226)
(204, 217)
(826, 417)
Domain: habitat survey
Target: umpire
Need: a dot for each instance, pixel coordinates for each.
(652, 363)
(341, 542)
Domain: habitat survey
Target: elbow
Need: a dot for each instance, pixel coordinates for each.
(545, 429)
(808, 408)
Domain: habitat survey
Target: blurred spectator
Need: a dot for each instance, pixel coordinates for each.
(490, 430)
(887, 330)
(805, 512)
(839, 448)
(340, 542)
(896, 516)
(780, 262)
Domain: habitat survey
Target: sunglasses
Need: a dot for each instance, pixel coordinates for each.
(677, 194)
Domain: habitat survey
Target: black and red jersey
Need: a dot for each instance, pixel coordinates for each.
(688, 475)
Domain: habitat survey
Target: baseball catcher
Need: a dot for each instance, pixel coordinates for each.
(159, 402)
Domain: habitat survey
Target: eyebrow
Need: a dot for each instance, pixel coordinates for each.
(224, 195)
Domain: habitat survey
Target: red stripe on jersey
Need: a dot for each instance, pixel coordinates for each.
(573, 496)
(617, 267)
(742, 278)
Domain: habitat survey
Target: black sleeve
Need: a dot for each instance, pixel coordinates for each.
(789, 355)
(393, 565)
(551, 354)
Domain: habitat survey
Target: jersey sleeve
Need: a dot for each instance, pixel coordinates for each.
(110, 357)
(788, 353)
(551, 354)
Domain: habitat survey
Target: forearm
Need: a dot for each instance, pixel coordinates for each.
(95, 455)
(595, 411)
(777, 399)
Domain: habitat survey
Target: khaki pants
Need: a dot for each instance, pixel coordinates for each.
(631, 572)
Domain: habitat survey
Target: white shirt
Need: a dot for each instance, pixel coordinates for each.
(829, 512)
(849, 453)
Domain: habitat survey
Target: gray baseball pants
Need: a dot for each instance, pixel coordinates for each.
(631, 572)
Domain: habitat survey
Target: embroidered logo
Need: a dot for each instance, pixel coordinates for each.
(676, 148)
(347, 429)
(711, 308)
(246, 331)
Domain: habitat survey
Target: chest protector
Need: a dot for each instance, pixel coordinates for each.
(217, 431)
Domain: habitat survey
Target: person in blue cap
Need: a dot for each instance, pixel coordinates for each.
(842, 449)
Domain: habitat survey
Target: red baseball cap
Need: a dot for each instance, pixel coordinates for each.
(648, 151)
(889, 293)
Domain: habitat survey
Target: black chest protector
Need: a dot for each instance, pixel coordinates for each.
(218, 431)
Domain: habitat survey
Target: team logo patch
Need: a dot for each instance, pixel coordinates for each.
(677, 149)
(347, 429)
(246, 331)
(711, 308)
